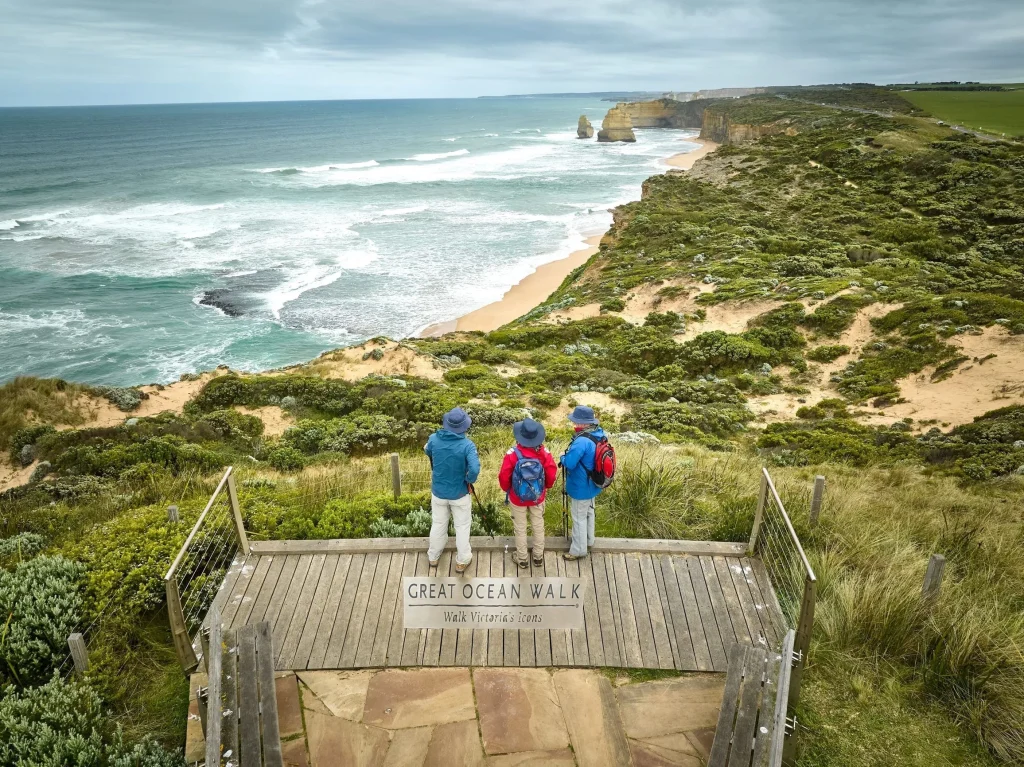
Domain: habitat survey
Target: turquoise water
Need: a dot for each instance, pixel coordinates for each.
(139, 243)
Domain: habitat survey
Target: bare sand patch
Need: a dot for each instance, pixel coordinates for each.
(172, 397)
(396, 359)
(276, 421)
(595, 399)
(730, 317)
(974, 388)
(12, 475)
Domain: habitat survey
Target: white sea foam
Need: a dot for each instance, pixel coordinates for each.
(315, 277)
(6, 225)
(437, 156)
(319, 168)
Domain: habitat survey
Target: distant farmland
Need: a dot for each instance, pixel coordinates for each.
(992, 111)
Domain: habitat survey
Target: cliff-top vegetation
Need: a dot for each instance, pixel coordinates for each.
(786, 303)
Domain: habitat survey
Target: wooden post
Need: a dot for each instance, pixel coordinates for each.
(759, 514)
(236, 511)
(79, 653)
(396, 476)
(172, 514)
(933, 578)
(802, 644)
(816, 497)
(179, 632)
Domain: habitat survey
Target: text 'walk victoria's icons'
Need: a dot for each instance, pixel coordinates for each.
(488, 603)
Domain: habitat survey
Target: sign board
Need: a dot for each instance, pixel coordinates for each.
(493, 603)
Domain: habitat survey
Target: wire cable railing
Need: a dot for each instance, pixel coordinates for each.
(775, 540)
(198, 571)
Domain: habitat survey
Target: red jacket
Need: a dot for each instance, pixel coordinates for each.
(505, 475)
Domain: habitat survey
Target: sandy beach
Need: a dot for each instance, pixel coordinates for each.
(533, 289)
(685, 160)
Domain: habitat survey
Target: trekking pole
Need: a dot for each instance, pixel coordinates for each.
(479, 505)
(565, 507)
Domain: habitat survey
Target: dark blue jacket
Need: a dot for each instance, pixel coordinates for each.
(578, 460)
(455, 463)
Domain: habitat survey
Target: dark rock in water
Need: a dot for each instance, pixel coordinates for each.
(222, 299)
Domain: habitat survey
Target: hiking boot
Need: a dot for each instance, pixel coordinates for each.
(432, 563)
(572, 557)
(523, 564)
(460, 569)
(538, 561)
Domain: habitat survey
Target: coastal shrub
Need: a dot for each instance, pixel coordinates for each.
(832, 318)
(669, 322)
(838, 440)
(495, 415)
(612, 305)
(230, 424)
(41, 400)
(717, 351)
(65, 723)
(41, 601)
(640, 350)
(685, 420)
(789, 315)
(828, 353)
(285, 458)
(357, 433)
(327, 396)
(124, 398)
(28, 437)
(468, 351)
(110, 460)
(21, 546)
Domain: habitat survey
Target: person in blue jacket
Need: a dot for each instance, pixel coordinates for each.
(454, 465)
(578, 462)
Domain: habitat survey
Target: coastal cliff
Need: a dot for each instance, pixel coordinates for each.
(666, 113)
(719, 127)
(616, 125)
(583, 128)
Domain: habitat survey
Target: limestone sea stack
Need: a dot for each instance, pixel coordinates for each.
(583, 128)
(616, 125)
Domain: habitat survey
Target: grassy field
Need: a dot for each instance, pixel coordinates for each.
(993, 111)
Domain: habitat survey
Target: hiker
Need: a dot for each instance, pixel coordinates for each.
(454, 467)
(526, 474)
(589, 464)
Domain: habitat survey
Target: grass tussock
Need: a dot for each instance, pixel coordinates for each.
(26, 400)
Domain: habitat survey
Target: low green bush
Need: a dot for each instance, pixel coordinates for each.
(21, 546)
(832, 318)
(828, 353)
(357, 433)
(285, 458)
(64, 723)
(41, 601)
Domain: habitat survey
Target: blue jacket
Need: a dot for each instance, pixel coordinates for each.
(578, 460)
(455, 463)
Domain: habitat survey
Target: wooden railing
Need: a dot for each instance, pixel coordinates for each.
(198, 570)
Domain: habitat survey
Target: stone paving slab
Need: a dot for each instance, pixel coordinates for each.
(498, 717)
(399, 699)
(518, 710)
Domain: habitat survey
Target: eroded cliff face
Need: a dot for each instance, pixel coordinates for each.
(719, 128)
(583, 128)
(666, 113)
(616, 125)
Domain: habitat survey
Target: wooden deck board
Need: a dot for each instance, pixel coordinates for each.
(641, 609)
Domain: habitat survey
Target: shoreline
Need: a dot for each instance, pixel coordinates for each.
(528, 293)
(531, 291)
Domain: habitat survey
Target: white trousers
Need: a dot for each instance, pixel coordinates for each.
(461, 511)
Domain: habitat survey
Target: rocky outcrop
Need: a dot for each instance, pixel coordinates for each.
(718, 127)
(616, 125)
(666, 113)
(583, 128)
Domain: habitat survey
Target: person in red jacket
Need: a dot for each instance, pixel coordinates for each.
(527, 473)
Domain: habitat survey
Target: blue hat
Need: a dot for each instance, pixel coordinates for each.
(528, 432)
(583, 415)
(456, 421)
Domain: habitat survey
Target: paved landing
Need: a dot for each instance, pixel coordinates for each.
(507, 717)
(331, 609)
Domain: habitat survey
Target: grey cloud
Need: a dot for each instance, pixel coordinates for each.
(224, 49)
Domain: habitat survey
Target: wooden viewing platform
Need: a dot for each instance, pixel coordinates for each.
(647, 604)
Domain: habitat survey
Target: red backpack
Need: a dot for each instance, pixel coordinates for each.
(604, 461)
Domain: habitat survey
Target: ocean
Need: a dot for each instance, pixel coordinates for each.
(139, 243)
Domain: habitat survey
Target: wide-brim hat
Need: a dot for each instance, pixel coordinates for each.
(456, 421)
(528, 433)
(583, 415)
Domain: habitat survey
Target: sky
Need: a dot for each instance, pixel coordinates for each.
(63, 52)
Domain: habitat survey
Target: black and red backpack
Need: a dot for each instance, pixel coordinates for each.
(604, 461)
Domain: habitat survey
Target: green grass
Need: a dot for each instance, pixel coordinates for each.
(996, 112)
(26, 400)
